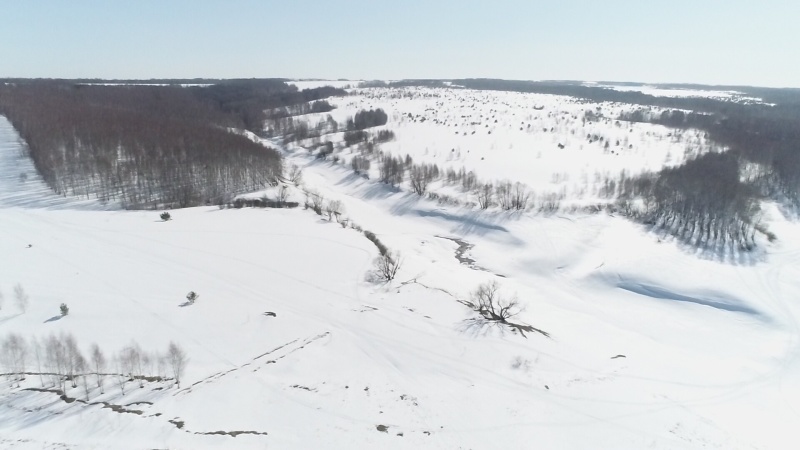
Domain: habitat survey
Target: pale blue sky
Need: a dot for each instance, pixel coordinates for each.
(717, 42)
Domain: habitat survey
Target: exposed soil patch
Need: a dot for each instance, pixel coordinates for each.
(116, 408)
(232, 433)
(305, 388)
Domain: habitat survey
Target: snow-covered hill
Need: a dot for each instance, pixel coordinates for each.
(291, 346)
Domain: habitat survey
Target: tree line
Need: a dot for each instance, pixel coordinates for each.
(250, 100)
(702, 202)
(59, 363)
(142, 146)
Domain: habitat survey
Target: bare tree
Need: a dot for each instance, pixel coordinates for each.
(81, 367)
(37, 352)
(421, 176)
(121, 377)
(6, 360)
(487, 302)
(295, 174)
(177, 359)
(334, 208)
(130, 361)
(387, 265)
(283, 194)
(315, 200)
(56, 357)
(520, 196)
(21, 298)
(15, 355)
(503, 191)
(485, 194)
(73, 358)
(99, 365)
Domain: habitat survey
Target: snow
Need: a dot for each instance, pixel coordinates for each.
(544, 141)
(726, 95)
(652, 345)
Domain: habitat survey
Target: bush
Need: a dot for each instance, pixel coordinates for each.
(64, 309)
(191, 297)
(165, 216)
(381, 248)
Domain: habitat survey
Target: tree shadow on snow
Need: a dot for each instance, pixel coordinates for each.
(722, 252)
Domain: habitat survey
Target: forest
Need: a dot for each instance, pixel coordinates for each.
(149, 146)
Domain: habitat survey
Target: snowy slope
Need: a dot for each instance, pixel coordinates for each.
(650, 346)
(553, 144)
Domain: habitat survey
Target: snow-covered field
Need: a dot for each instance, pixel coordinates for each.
(553, 144)
(651, 345)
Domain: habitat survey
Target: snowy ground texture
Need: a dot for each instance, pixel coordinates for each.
(651, 345)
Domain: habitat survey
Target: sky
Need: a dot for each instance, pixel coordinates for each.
(730, 42)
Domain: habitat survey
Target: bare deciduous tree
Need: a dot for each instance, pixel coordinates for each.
(56, 360)
(334, 208)
(37, 352)
(387, 265)
(121, 376)
(99, 365)
(81, 367)
(295, 174)
(485, 194)
(73, 358)
(315, 200)
(130, 361)
(15, 356)
(487, 301)
(520, 196)
(177, 359)
(283, 194)
(420, 176)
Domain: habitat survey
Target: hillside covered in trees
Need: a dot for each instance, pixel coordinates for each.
(149, 146)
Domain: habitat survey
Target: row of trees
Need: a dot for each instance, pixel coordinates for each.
(146, 147)
(249, 100)
(320, 106)
(59, 363)
(394, 170)
(703, 202)
(367, 119)
(764, 137)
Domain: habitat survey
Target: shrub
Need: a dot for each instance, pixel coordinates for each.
(381, 248)
(191, 297)
(165, 216)
(64, 309)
